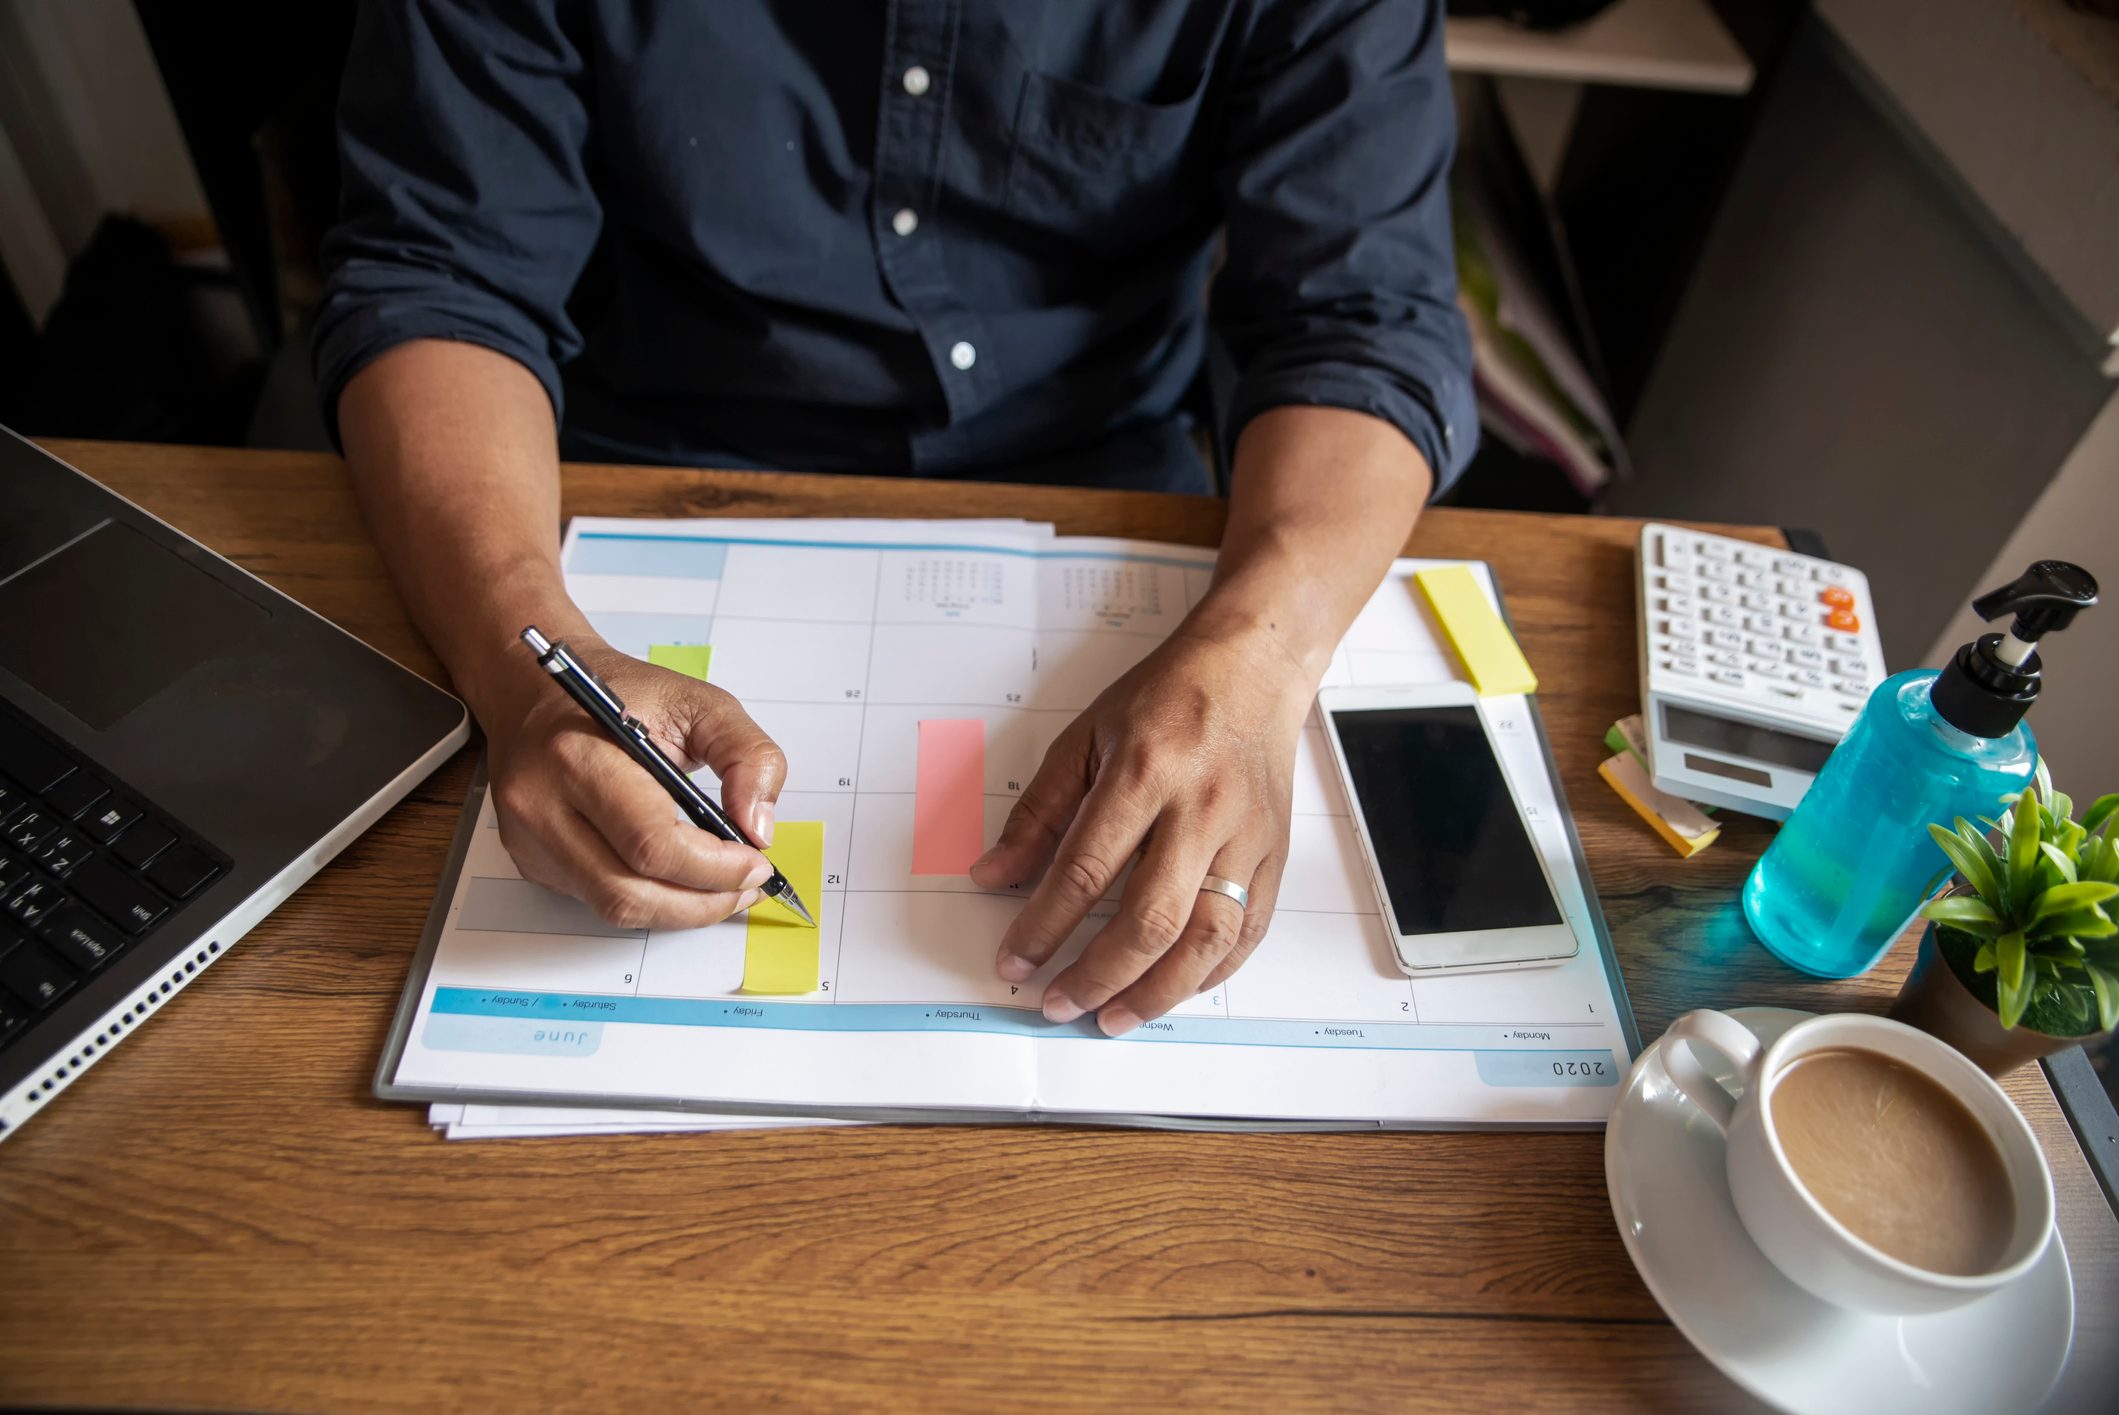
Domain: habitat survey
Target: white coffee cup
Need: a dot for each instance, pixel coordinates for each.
(1791, 1228)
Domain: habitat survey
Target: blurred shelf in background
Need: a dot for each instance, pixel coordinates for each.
(1674, 44)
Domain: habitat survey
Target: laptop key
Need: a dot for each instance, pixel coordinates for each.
(180, 871)
(116, 895)
(81, 938)
(27, 831)
(143, 842)
(14, 1020)
(109, 818)
(28, 759)
(35, 976)
(62, 851)
(11, 871)
(32, 899)
(75, 794)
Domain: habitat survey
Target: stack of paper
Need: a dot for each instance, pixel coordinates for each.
(1535, 394)
(515, 1122)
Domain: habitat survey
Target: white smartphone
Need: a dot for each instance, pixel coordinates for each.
(1460, 882)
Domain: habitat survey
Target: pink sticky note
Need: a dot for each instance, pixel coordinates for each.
(949, 804)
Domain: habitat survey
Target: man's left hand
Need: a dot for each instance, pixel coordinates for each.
(1188, 761)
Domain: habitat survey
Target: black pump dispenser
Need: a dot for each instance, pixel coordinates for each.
(1991, 682)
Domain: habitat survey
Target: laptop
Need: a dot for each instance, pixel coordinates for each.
(181, 747)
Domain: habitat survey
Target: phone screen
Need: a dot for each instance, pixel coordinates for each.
(1454, 853)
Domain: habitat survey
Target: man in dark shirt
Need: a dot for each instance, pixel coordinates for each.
(944, 238)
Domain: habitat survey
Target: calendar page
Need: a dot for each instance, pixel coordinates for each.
(914, 673)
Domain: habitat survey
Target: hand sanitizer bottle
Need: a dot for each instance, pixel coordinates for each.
(1845, 876)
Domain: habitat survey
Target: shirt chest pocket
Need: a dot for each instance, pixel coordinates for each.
(1102, 173)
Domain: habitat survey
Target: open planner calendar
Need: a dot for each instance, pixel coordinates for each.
(914, 674)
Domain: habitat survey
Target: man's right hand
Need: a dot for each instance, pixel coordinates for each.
(580, 816)
(454, 454)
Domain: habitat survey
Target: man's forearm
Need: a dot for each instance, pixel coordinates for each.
(1321, 501)
(455, 461)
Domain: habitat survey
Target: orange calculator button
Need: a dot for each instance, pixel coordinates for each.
(1838, 598)
(1844, 620)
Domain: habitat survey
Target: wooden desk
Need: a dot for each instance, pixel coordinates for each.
(220, 1216)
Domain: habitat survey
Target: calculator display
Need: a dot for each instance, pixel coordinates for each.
(1744, 739)
(1450, 844)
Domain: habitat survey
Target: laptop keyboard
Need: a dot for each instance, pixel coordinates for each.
(86, 872)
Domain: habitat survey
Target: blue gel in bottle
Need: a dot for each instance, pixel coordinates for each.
(1842, 880)
(1845, 876)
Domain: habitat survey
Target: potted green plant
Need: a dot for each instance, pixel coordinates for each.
(2021, 958)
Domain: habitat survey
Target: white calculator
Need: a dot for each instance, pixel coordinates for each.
(1754, 663)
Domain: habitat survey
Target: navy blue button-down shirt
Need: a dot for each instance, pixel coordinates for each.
(941, 237)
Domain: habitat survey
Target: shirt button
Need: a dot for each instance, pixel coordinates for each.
(962, 354)
(905, 222)
(917, 81)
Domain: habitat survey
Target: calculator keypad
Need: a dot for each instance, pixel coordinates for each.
(1785, 633)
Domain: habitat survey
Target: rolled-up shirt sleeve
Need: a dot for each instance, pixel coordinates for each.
(1340, 284)
(466, 209)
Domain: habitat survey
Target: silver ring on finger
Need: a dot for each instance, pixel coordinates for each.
(1215, 884)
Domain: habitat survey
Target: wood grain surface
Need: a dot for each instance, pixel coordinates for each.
(220, 1217)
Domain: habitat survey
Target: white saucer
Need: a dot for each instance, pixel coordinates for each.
(1663, 1165)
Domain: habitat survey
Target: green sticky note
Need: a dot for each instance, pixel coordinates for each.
(1626, 738)
(689, 659)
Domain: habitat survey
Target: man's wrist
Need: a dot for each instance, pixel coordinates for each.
(1266, 654)
(1270, 622)
(494, 673)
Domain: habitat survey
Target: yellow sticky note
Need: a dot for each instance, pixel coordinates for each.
(689, 659)
(1679, 822)
(1489, 652)
(780, 951)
